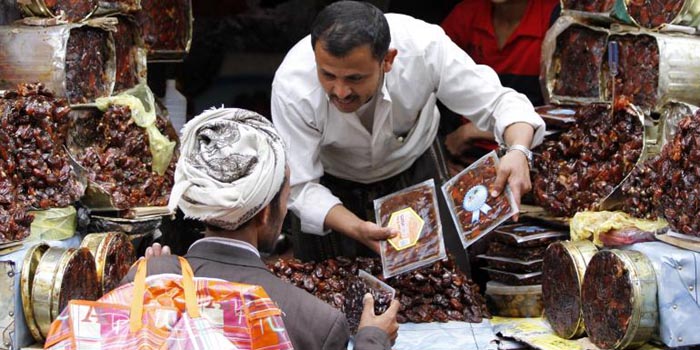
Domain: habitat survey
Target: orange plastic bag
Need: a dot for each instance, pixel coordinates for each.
(175, 312)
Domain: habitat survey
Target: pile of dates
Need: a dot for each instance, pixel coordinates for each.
(578, 56)
(35, 171)
(653, 13)
(583, 165)
(117, 156)
(434, 293)
(638, 70)
(668, 185)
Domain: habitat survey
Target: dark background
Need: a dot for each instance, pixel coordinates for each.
(238, 44)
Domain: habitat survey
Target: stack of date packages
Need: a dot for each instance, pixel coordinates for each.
(35, 171)
(514, 265)
(435, 293)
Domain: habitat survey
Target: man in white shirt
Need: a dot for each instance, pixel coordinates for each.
(355, 102)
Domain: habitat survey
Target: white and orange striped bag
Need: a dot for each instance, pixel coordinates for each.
(174, 312)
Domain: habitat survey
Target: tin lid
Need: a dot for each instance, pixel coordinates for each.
(76, 278)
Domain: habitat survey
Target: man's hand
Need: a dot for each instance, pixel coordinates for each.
(370, 234)
(514, 170)
(342, 220)
(386, 321)
(157, 250)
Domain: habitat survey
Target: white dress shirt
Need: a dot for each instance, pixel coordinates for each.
(427, 68)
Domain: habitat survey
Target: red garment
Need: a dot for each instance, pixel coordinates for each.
(470, 26)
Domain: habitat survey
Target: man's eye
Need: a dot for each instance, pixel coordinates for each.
(354, 79)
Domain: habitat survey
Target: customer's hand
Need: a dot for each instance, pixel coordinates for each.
(370, 234)
(386, 321)
(514, 170)
(157, 250)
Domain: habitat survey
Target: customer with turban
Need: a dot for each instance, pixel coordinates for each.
(232, 175)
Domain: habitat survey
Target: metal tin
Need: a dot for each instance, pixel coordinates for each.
(29, 267)
(62, 275)
(76, 279)
(551, 71)
(41, 288)
(114, 254)
(159, 54)
(38, 54)
(643, 320)
(146, 225)
(678, 71)
(689, 14)
(138, 51)
(578, 255)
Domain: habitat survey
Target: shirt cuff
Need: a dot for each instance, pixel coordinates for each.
(512, 117)
(311, 204)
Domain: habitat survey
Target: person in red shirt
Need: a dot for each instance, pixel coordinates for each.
(506, 35)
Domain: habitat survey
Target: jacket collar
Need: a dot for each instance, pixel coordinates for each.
(225, 253)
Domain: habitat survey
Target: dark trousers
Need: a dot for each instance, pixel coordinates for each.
(358, 198)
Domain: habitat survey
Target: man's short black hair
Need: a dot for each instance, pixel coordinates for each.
(346, 25)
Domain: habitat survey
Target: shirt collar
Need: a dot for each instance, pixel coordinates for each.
(230, 242)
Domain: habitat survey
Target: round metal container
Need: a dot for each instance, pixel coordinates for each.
(29, 267)
(62, 275)
(563, 269)
(40, 8)
(619, 299)
(114, 254)
(687, 15)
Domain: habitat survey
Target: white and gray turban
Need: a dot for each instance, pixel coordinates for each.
(232, 163)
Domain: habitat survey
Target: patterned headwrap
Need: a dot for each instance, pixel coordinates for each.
(232, 163)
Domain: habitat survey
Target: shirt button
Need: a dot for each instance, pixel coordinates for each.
(675, 306)
(400, 139)
(691, 288)
(680, 267)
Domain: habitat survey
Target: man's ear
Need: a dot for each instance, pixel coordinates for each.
(263, 217)
(389, 59)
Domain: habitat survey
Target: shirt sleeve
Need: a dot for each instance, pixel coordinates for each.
(474, 90)
(309, 200)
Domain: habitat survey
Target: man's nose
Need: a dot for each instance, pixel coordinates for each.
(342, 91)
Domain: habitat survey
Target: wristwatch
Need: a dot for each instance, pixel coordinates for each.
(526, 151)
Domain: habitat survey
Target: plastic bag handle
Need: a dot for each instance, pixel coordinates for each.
(136, 314)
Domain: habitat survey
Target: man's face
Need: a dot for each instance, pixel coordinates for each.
(352, 80)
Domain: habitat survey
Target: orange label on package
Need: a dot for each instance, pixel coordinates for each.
(409, 224)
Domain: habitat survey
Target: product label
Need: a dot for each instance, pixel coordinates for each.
(409, 224)
(475, 201)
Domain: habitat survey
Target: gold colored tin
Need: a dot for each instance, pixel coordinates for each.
(579, 254)
(114, 254)
(41, 288)
(29, 267)
(62, 275)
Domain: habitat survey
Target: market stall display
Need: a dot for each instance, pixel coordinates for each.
(413, 212)
(167, 28)
(580, 167)
(116, 147)
(74, 61)
(35, 168)
(572, 55)
(667, 185)
(618, 296)
(434, 293)
(655, 68)
(588, 5)
(563, 271)
(29, 267)
(76, 10)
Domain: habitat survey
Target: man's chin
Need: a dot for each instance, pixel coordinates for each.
(346, 108)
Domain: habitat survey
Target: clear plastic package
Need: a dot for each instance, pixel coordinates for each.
(413, 212)
(514, 279)
(523, 253)
(523, 235)
(512, 265)
(474, 211)
(514, 301)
